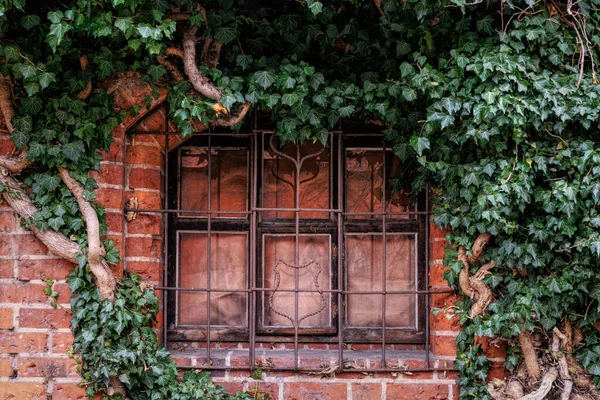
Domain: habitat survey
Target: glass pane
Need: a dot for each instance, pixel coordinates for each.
(314, 310)
(228, 181)
(228, 268)
(279, 180)
(364, 184)
(365, 271)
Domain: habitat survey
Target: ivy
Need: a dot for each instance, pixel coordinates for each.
(485, 101)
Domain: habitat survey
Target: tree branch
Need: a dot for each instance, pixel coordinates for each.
(171, 67)
(6, 105)
(105, 281)
(529, 356)
(14, 164)
(234, 119)
(201, 83)
(18, 200)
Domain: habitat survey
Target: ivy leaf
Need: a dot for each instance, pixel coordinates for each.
(46, 78)
(227, 100)
(19, 138)
(11, 53)
(225, 34)
(243, 60)
(346, 111)
(124, 24)
(73, 150)
(290, 99)
(27, 70)
(406, 69)
(30, 21)
(409, 94)
(265, 78)
(317, 80)
(56, 35)
(157, 72)
(315, 6)
(31, 105)
(124, 379)
(419, 144)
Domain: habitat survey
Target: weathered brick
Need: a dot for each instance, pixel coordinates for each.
(438, 248)
(29, 245)
(149, 271)
(68, 391)
(262, 388)
(144, 247)
(147, 200)
(6, 244)
(145, 178)
(409, 391)
(7, 221)
(145, 155)
(6, 368)
(314, 390)
(21, 292)
(496, 371)
(115, 152)
(44, 318)
(366, 391)
(444, 300)
(64, 292)
(17, 342)
(231, 387)
(146, 223)
(111, 174)
(110, 198)
(114, 221)
(445, 321)
(22, 391)
(29, 367)
(44, 269)
(436, 276)
(6, 318)
(6, 269)
(62, 342)
(444, 345)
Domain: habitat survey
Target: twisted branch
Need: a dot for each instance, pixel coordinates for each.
(105, 281)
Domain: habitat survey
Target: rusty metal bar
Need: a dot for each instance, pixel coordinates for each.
(329, 210)
(166, 227)
(340, 251)
(252, 250)
(343, 292)
(427, 267)
(384, 250)
(208, 252)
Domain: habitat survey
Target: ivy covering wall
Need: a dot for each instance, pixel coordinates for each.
(496, 103)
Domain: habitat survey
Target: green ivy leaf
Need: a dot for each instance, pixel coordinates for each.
(265, 78)
(74, 150)
(225, 34)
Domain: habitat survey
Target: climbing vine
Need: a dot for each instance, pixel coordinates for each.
(494, 102)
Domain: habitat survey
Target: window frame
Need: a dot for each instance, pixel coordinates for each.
(336, 225)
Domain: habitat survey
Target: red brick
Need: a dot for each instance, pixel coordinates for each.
(30, 245)
(6, 269)
(146, 223)
(437, 233)
(437, 249)
(444, 300)
(7, 146)
(262, 388)
(64, 293)
(366, 391)
(436, 276)
(145, 178)
(22, 391)
(7, 221)
(44, 318)
(6, 244)
(68, 391)
(149, 271)
(109, 173)
(110, 198)
(314, 390)
(153, 121)
(44, 269)
(6, 368)
(231, 387)
(6, 318)
(20, 292)
(115, 152)
(13, 342)
(62, 342)
(444, 345)
(30, 367)
(144, 155)
(144, 247)
(445, 321)
(147, 200)
(114, 221)
(496, 371)
(406, 391)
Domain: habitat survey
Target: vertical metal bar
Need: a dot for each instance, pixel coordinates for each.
(384, 273)
(427, 296)
(341, 249)
(166, 226)
(252, 294)
(296, 254)
(208, 245)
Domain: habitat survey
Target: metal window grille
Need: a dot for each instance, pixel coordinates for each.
(272, 314)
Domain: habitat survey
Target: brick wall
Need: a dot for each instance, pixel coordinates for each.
(35, 338)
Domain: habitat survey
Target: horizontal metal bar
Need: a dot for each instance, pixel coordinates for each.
(172, 211)
(287, 369)
(263, 209)
(180, 289)
(172, 133)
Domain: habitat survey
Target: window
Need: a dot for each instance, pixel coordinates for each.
(281, 242)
